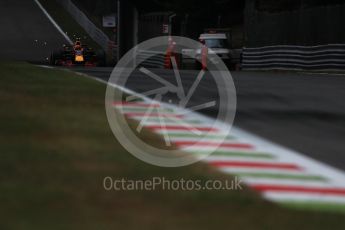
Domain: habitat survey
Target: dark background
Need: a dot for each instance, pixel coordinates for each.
(256, 22)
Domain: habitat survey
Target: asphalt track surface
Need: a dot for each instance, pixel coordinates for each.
(304, 112)
(26, 33)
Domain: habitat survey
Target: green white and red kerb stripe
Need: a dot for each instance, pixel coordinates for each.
(279, 174)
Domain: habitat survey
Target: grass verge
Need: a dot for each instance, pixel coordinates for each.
(56, 148)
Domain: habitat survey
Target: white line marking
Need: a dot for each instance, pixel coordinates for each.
(213, 158)
(285, 182)
(197, 138)
(46, 66)
(162, 90)
(194, 148)
(53, 22)
(239, 170)
(128, 110)
(304, 197)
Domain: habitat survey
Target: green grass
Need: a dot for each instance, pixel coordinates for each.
(56, 147)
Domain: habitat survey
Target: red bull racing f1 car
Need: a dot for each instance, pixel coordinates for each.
(77, 54)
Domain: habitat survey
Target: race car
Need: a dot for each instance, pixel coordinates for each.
(77, 54)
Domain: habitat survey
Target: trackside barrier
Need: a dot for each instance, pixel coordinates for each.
(94, 32)
(168, 55)
(204, 53)
(171, 52)
(282, 57)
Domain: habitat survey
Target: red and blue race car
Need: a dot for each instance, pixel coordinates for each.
(77, 54)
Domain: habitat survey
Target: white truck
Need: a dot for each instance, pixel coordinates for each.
(219, 44)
